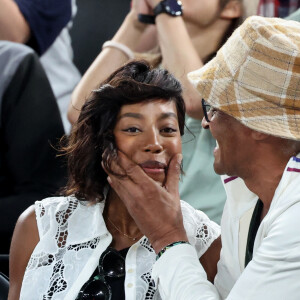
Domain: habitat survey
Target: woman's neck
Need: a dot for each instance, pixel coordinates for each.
(119, 222)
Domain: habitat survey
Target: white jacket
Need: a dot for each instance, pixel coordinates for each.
(73, 236)
(273, 273)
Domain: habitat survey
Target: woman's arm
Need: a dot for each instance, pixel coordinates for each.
(210, 259)
(13, 26)
(179, 56)
(24, 240)
(109, 59)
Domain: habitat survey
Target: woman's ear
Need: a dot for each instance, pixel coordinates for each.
(232, 10)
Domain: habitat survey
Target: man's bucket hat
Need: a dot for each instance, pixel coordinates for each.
(255, 77)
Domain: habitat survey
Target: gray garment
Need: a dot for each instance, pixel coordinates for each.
(61, 71)
(11, 55)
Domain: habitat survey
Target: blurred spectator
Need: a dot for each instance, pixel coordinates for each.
(44, 26)
(30, 125)
(250, 8)
(277, 8)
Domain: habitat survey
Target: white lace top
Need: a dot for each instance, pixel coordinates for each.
(73, 236)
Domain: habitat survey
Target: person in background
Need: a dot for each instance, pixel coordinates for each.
(30, 128)
(252, 107)
(186, 39)
(85, 245)
(277, 8)
(44, 26)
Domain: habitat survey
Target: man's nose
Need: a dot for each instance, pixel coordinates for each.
(153, 143)
(204, 123)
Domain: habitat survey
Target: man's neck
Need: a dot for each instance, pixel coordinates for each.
(264, 178)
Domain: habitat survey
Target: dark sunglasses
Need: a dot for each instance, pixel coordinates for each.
(111, 264)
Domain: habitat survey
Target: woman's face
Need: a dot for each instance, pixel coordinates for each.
(201, 12)
(148, 133)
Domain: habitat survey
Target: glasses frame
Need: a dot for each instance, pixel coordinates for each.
(101, 275)
(205, 110)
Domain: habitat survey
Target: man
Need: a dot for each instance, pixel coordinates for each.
(253, 88)
(30, 128)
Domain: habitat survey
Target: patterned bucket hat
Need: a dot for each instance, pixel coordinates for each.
(255, 77)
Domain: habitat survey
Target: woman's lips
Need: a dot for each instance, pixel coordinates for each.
(153, 167)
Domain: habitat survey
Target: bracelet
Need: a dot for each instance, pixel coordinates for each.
(163, 250)
(119, 46)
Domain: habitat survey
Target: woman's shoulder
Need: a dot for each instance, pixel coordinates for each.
(190, 213)
(56, 201)
(62, 203)
(55, 213)
(200, 229)
(196, 216)
(24, 240)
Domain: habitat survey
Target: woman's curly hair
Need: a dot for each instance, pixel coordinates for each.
(92, 135)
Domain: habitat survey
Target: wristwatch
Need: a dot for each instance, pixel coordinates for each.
(170, 7)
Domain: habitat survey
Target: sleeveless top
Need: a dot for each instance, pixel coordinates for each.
(73, 236)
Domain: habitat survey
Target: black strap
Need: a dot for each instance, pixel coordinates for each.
(254, 224)
(147, 19)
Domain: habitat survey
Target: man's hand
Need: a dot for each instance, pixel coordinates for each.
(155, 209)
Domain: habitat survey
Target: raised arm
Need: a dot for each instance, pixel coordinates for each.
(35, 23)
(13, 25)
(109, 59)
(179, 56)
(24, 240)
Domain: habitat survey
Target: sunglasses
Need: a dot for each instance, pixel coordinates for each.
(111, 264)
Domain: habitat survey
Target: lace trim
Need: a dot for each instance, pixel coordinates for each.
(50, 274)
(57, 283)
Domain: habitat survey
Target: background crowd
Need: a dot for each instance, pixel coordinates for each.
(45, 79)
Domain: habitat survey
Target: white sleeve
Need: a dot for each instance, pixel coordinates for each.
(273, 273)
(180, 275)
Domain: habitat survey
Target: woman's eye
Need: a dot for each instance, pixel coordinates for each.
(169, 130)
(132, 130)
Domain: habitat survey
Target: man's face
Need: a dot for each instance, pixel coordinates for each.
(148, 133)
(234, 143)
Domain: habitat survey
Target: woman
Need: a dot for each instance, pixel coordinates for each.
(185, 43)
(139, 111)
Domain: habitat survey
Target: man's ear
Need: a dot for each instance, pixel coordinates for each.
(259, 136)
(232, 10)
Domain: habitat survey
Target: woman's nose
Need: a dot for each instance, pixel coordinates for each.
(153, 143)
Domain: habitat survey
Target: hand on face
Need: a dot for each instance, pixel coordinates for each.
(155, 209)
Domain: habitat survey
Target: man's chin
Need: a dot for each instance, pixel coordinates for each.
(218, 169)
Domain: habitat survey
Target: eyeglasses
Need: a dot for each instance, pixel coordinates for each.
(111, 264)
(208, 111)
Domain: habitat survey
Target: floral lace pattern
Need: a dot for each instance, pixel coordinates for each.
(58, 261)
